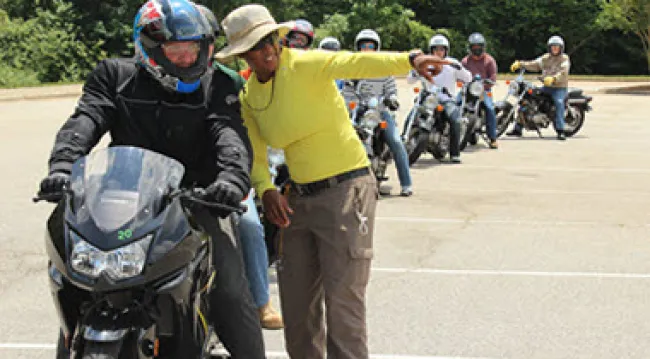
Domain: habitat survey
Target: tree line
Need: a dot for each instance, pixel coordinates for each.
(61, 40)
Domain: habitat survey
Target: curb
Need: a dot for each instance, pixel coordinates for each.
(31, 94)
(628, 90)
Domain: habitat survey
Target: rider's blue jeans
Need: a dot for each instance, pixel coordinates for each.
(256, 258)
(397, 148)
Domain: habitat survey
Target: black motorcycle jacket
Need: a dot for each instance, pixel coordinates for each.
(203, 130)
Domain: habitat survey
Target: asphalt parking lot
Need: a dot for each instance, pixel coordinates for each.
(540, 249)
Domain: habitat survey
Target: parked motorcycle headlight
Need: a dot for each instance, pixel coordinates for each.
(513, 88)
(120, 263)
(370, 119)
(431, 102)
(476, 89)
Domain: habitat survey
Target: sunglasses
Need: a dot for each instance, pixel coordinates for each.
(367, 45)
(270, 39)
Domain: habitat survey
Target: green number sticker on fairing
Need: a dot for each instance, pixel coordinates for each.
(124, 235)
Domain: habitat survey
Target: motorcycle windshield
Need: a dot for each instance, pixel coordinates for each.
(119, 186)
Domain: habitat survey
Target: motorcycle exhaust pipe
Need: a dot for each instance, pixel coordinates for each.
(579, 101)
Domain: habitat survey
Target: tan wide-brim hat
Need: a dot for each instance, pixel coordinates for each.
(245, 26)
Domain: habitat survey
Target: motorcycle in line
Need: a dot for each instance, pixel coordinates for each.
(473, 110)
(535, 110)
(427, 128)
(365, 115)
(130, 269)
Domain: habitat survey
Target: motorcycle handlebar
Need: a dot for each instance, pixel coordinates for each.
(196, 195)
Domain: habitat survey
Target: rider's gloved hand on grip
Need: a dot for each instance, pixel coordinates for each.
(515, 66)
(54, 183)
(224, 192)
(392, 103)
(549, 80)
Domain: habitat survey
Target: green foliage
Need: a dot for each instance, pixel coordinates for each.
(61, 40)
(46, 45)
(11, 77)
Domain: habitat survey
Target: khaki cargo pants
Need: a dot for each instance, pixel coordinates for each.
(325, 256)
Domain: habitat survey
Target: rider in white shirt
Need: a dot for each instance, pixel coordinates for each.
(447, 78)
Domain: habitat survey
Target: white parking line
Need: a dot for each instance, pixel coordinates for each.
(536, 191)
(494, 272)
(269, 354)
(489, 221)
(640, 170)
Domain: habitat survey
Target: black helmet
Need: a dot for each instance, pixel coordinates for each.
(476, 39)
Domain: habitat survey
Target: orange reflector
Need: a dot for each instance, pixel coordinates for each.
(439, 108)
(459, 84)
(507, 82)
(489, 94)
(530, 91)
(352, 105)
(416, 89)
(156, 348)
(383, 124)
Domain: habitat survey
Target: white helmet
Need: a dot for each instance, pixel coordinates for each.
(439, 40)
(555, 40)
(330, 43)
(367, 35)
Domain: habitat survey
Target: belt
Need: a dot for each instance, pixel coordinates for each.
(312, 188)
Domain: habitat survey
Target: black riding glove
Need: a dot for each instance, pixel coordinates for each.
(224, 192)
(55, 183)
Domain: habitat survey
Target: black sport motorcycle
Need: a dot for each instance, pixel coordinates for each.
(535, 110)
(130, 270)
(473, 110)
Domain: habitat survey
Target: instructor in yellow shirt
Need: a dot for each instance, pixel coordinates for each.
(291, 102)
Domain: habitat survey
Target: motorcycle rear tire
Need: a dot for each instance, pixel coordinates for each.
(577, 126)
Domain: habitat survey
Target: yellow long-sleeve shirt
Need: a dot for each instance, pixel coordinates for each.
(302, 112)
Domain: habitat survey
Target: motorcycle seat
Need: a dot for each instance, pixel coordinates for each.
(574, 92)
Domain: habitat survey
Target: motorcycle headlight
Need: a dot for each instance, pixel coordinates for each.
(431, 102)
(513, 88)
(370, 119)
(373, 102)
(476, 89)
(121, 263)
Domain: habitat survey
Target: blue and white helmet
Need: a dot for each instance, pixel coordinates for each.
(160, 21)
(555, 40)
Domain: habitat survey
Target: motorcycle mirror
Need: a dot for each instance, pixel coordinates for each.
(416, 89)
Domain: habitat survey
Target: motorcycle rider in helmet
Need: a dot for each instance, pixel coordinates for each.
(332, 44)
(555, 66)
(301, 36)
(168, 100)
(369, 40)
(447, 78)
(479, 62)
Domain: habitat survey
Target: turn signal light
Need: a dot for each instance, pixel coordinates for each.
(383, 125)
(439, 108)
(507, 82)
(416, 89)
(352, 105)
(459, 84)
(530, 91)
